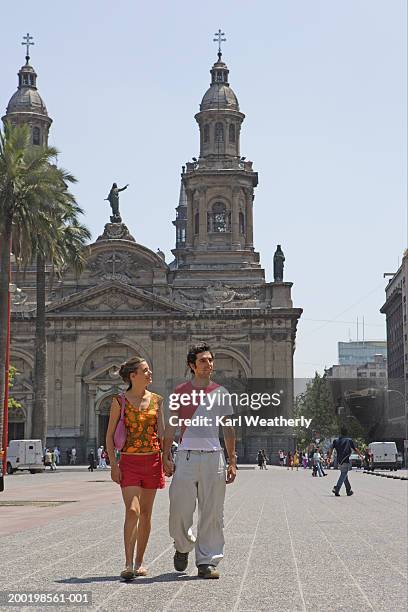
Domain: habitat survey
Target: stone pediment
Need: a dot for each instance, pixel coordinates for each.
(114, 298)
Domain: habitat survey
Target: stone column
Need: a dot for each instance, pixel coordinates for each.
(202, 211)
(235, 217)
(249, 243)
(91, 415)
(190, 220)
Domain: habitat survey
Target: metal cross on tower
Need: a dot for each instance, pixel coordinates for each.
(27, 42)
(219, 40)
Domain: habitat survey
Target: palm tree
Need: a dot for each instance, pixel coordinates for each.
(40, 216)
(26, 186)
(62, 246)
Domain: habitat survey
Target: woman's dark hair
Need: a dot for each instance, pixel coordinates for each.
(128, 367)
(202, 347)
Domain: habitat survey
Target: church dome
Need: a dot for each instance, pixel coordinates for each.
(219, 95)
(26, 100)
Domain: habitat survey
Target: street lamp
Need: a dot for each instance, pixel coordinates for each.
(404, 399)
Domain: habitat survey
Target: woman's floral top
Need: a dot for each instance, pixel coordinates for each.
(141, 426)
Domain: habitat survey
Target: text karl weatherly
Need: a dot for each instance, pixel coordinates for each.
(238, 421)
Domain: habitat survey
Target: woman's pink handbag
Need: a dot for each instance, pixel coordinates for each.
(120, 435)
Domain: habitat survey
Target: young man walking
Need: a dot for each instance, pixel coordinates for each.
(344, 447)
(200, 473)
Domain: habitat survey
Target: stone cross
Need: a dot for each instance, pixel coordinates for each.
(27, 42)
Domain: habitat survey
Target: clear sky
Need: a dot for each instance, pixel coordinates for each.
(323, 87)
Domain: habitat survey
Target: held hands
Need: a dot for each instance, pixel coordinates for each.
(168, 466)
(115, 473)
(231, 473)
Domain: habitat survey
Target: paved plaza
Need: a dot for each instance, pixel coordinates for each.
(290, 545)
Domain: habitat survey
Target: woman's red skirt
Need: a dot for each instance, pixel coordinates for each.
(140, 470)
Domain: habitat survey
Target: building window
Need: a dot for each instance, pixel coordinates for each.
(36, 136)
(206, 133)
(232, 133)
(219, 132)
(219, 76)
(219, 220)
(196, 223)
(25, 79)
(241, 223)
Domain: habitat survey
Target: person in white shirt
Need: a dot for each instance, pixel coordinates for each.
(317, 458)
(200, 475)
(99, 451)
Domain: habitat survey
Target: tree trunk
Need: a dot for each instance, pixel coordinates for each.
(40, 409)
(5, 244)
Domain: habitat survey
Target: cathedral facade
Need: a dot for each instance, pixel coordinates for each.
(129, 300)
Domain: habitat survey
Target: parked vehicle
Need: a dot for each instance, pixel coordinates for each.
(355, 460)
(25, 455)
(384, 455)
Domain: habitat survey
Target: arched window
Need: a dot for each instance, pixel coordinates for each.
(241, 223)
(219, 76)
(206, 133)
(196, 223)
(220, 218)
(36, 136)
(219, 132)
(232, 133)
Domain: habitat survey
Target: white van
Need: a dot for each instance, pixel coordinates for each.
(25, 455)
(384, 455)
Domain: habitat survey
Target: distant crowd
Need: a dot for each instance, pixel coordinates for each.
(313, 459)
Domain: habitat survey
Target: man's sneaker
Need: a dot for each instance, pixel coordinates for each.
(208, 571)
(350, 493)
(335, 491)
(180, 561)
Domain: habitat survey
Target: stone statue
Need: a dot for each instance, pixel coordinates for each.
(113, 199)
(278, 260)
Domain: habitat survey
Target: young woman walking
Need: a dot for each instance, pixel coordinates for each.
(139, 471)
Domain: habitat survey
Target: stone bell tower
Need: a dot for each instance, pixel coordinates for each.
(219, 192)
(26, 104)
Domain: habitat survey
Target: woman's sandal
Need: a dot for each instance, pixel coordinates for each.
(140, 571)
(127, 573)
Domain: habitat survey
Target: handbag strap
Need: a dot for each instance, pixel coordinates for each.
(123, 404)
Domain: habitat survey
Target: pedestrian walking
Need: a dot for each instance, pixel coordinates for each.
(68, 455)
(53, 461)
(317, 458)
(91, 459)
(265, 459)
(289, 461)
(281, 457)
(305, 461)
(99, 452)
(200, 475)
(296, 460)
(73, 456)
(344, 447)
(260, 459)
(57, 454)
(139, 471)
(104, 455)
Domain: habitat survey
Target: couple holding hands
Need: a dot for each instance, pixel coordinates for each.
(199, 470)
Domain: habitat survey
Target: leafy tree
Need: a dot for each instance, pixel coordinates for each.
(316, 403)
(12, 403)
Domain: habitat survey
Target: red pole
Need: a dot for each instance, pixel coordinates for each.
(6, 382)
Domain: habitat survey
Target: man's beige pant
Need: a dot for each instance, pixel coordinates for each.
(199, 476)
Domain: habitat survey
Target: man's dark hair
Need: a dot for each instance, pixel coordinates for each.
(194, 350)
(343, 430)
